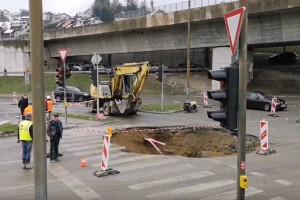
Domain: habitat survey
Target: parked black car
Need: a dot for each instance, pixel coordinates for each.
(258, 100)
(71, 92)
(193, 67)
(284, 58)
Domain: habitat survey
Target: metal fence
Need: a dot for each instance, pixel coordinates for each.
(170, 8)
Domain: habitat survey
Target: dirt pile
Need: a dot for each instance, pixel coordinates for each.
(190, 142)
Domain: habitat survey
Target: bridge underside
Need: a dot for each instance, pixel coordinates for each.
(265, 30)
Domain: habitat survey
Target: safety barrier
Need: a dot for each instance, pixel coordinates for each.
(273, 108)
(264, 139)
(105, 155)
(15, 98)
(205, 101)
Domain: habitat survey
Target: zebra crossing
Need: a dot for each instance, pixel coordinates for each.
(155, 176)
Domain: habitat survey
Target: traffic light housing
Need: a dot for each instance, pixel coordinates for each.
(59, 79)
(68, 73)
(159, 74)
(94, 76)
(227, 95)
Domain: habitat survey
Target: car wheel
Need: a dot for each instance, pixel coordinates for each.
(267, 107)
(81, 99)
(106, 109)
(58, 98)
(92, 107)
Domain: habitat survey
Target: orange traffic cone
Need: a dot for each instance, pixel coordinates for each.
(83, 162)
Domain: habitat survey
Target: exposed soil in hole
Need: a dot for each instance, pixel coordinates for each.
(190, 142)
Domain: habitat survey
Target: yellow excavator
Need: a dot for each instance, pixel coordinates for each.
(121, 93)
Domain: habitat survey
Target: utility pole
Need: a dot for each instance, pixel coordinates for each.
(243, 44)
(188, 52)
(162, 88)
(98, 106)
(38, 96)
(65, 95)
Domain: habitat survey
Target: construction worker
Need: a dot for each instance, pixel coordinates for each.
(25, 135)
(23, 103)
(49, 107)
(54, 131)
(28, 109)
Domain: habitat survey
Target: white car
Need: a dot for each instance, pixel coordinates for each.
(78, 67)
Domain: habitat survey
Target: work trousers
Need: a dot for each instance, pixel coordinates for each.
(27, 147)
(54, 142)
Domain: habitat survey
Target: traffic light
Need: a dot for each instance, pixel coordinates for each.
(159, 74)
(94, 76)
(68, 73)
(227, 95)
(59, 79)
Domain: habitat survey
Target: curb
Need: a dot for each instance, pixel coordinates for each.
(7, 134)
(156, 112)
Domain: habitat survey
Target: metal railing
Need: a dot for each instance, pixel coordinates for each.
(169, 8)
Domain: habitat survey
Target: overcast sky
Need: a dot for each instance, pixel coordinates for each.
(70, 7)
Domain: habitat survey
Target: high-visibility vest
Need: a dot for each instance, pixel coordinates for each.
(24, 134)
(49, 105)
(28, 110)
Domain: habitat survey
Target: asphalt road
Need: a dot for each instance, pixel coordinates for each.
(271, 177)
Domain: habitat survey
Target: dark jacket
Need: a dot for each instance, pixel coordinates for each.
(23, 103)
(54, 128)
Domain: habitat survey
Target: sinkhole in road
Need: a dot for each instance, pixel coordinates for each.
(185, 141)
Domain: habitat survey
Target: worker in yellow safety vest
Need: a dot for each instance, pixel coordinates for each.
(28, 110)
(25, 135)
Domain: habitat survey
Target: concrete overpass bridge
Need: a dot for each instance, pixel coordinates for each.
(271, 23)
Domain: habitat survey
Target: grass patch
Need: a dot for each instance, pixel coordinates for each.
(157, 107)
(8, 128)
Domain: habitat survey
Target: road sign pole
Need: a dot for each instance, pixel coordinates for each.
(243, 43)
(162, 89)
(188, 70)
(38, 97)
(98, 90)
(65, 95)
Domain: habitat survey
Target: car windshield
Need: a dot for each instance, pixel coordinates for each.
(73, 89)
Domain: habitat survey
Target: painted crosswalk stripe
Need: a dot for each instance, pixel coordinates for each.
(171, 180)
(151, 173)
(232, 194)
(190, 189)
(278, 198)
(260, 175)
(126, 160)
(283, 182)
(97, 151)
(82, 139)
(81, 148)
(80, 143)
(152, 163)
(111, 156)
(78, 187)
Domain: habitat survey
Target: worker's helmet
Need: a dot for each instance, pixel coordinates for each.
(48, 97)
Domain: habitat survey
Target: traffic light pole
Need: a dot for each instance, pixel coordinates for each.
(38, 97)
(243, 43)
(97, 90)
(162, 89)
(65, 95)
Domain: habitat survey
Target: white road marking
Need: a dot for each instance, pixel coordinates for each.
(29, 185)
(153, 163)
(191, 189)
(111, 156)
(80, 144)
(232, 166)
(283, 182)
(172, 180)
(260, 175)
(278, 198)
(232, 194)
(81, 148)
(151, 173)
(81, 138)
(126, 160)
(98, 151)
(4, 122)
(9, 162)
(78, 187)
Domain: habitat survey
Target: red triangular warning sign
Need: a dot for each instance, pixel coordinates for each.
(233, 22)
(63, 54)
